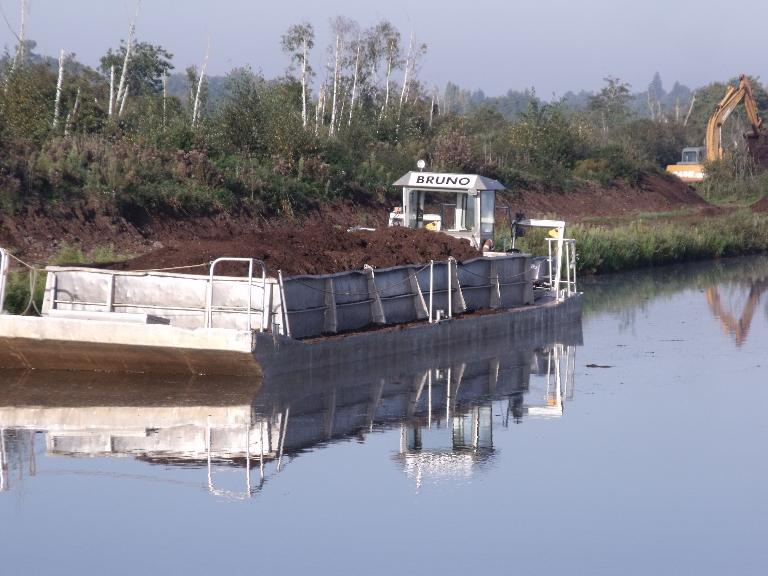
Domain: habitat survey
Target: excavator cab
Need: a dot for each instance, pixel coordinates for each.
(693, 155)
(691, 165)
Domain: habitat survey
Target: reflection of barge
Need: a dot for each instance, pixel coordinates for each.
(170, 322)
(441, 403)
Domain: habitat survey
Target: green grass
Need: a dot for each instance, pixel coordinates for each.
(642, 243)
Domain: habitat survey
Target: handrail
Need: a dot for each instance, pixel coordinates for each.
(250, 261)
(569, 250)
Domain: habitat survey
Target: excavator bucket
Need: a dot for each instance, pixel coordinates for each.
(758, 148)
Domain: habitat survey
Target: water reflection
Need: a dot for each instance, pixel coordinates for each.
(735, 304)
(446, 412)
(732, 287)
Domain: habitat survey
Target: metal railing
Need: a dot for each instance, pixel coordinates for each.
(565, 284)
(209, 308)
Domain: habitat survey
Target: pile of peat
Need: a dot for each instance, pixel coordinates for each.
(309, 249)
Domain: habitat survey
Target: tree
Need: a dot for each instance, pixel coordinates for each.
(611, 104)
(297, 42)
(147, 66)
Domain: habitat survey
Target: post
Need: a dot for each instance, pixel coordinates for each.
(250, 291)
(283, 305)
(450, 291)
(431, 288)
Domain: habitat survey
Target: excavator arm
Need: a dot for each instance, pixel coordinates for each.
(733, 96)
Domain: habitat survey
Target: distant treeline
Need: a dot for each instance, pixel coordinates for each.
(137, 136)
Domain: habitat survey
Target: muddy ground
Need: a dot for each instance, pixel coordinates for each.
(316, 244)
(315, 249)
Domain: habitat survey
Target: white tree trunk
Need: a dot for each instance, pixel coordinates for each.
(404, 91)
(122, 89)
(431, 109)
(59, 84)
(386, 85)
(196, 107)
(123, 101)
(354, 83)
(72, 114)
(22, 32)
(165, 97)
(111, 90)
(304, 85)
(335, 84)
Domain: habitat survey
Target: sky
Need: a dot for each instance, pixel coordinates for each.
(551, 45)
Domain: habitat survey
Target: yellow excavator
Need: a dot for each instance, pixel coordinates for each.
(691, 166)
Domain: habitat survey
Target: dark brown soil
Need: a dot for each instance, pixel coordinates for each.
(656, 193)
(311, 249)
(316, 244)
(761, 205)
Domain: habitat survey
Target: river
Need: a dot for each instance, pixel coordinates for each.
(635, 444)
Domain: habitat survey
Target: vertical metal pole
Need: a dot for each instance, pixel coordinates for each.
(248, 457)
(568, 266)
(284, 305)
(250, 289)
(429, 399)
(431, 288)
(549, 260)
(264, 312)
(208, 450)
(573, 255)
(450, 291)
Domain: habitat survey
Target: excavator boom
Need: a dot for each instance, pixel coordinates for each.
(756, 140)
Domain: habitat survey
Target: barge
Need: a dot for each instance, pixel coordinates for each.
(165, 321)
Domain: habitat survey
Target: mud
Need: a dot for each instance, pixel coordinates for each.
(310, 249)
(313, 244)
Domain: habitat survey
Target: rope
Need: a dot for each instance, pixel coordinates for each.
(32, 285)
(173, 268)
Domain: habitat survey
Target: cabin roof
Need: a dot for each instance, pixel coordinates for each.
(473, 181)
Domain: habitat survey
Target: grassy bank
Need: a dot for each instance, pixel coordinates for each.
(646, 242)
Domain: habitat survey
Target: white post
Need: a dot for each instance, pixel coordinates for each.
(284, 305)
(431, 282)
(450, 291)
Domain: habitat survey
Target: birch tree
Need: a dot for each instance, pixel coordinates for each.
(59, 85)
(298, 40)
(196, 106)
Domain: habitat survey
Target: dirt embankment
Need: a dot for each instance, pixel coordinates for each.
(656, 193)
(318, 243)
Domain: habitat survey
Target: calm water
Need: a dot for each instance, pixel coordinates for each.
(635, 445)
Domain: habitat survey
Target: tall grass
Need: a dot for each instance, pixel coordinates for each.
(649, 243)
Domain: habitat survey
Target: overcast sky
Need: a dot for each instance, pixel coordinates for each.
(552, 45)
